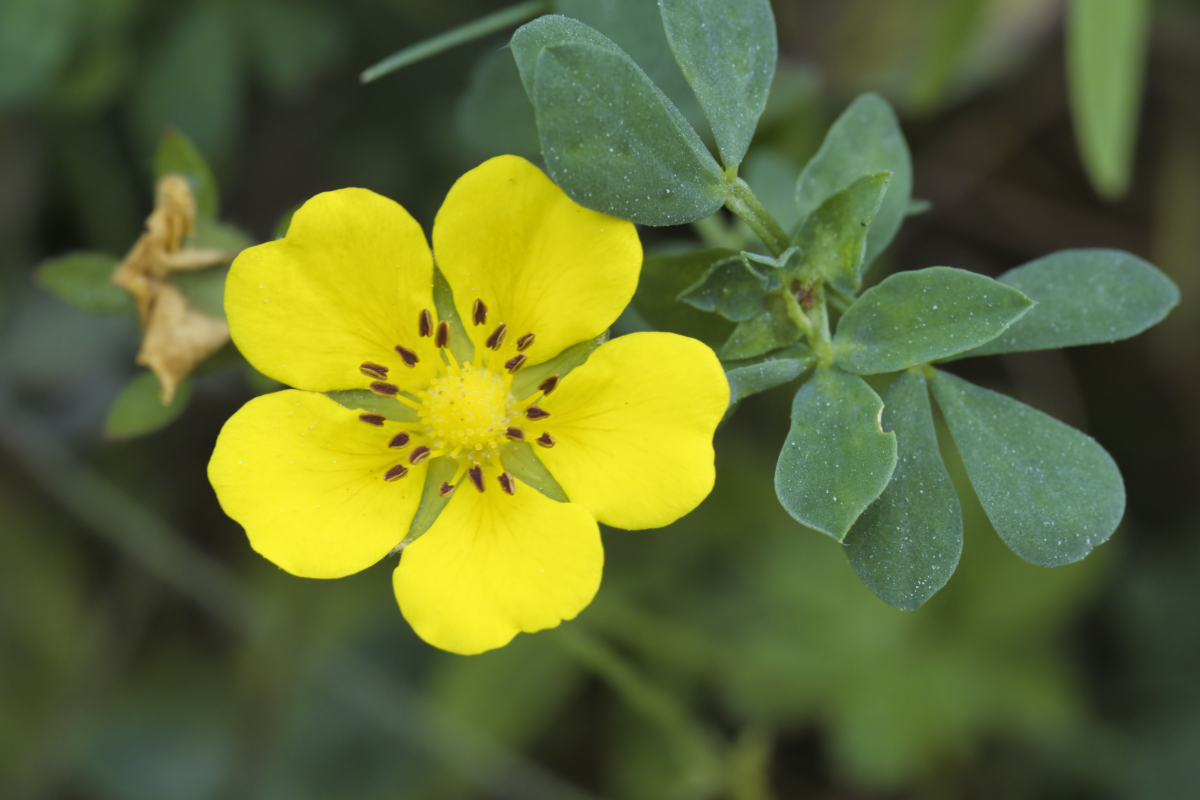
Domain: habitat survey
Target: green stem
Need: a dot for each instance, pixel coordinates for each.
(741, 201)
(476, 29)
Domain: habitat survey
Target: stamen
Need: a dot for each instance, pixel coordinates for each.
(535, 412)
(410, 358)
(516, 434)
(475, 473)
(373, 370)
(524, 342)
(516, 362)
(395, 473)
(546, 440)
(373, 419)
(398, 441)
(425, 323)
(479, 312)
(443, 334)
(548, 385)
(446, 489)
(385, 389)
(497, 338)
(507, 483)
(418, 455)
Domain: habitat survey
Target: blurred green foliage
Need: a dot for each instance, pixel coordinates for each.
(729, 655)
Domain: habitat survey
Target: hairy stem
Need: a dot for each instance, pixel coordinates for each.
(741, 201)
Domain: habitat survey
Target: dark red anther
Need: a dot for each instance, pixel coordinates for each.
(446, 489)
(497, 338)
(398, 441)
(516, 434)
(418, 455)
(373, 419)
(425, 323)
(546, 440)
(516, 362)
(410, 358)
(443, 334)
(475, 473)
(395, 473)
(548, 385)
(372, 370)
(535, 412)
(507, 483)
(478, 312)
(524, 342)
(385, 389)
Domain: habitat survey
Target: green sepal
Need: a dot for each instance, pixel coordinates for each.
(1052, 493)
(836, 459)
(727, 51)
(906, 545)
(864, 140)
(923, 315)
(84, 280)
(1084, 297)
(771, 330)
(519, 459)
(526, 381)
(177, 154)
(751, 376)
(441, 470)
(663, 278)
(834, 236)
(443, 303)
(138, 410)
(366, 400)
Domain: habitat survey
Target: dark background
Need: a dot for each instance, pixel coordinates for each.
(147, 652)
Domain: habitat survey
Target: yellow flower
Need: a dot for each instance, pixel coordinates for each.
(345, 301)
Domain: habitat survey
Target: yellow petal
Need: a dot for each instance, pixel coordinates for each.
(345, 286)
(304, 477)
(540, 262)
(494, 565)
(634, 428)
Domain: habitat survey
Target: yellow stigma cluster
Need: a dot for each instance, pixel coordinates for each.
(467, 411)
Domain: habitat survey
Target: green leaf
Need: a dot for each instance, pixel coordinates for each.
(138, 409)
(864, 140)
(616, 145)
(1106, 57)
(519, 459)
(1051, 492)
(85, 281)
(636, 26)
(837, 459)
(177, 154)
(443, 303)
(1084, 297)
(366, 400)
(663, 277)
(834, 237)
(730, 288)
(204, 289)
(751, 376)
(920, 316)
(906, 545)
(727, 51)
(494, 116)
(769, 331)
(526, 381)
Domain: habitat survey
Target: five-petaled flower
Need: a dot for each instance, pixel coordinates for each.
(346, 301)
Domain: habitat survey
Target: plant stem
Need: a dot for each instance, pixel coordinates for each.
(742, 201)
(504, 18)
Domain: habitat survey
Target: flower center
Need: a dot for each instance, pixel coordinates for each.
(467, 410)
